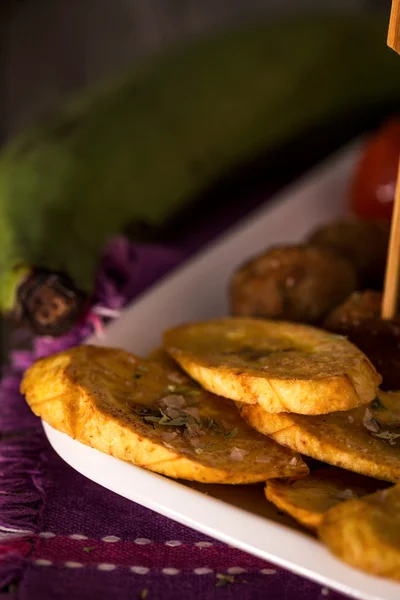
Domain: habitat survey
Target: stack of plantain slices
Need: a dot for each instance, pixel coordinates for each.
(244, 400)
(153, 415)
(316, 394)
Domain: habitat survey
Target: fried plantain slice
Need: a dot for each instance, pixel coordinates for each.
(153, 416)
(159, 355)
(285, 367)
(308, 499)
(365, 440)
(366, 532)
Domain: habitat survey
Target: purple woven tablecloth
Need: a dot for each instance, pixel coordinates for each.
(65, 537)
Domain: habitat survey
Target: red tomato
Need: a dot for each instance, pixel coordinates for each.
(372, 191)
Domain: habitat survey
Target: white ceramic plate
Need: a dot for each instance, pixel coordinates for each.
(195, 291)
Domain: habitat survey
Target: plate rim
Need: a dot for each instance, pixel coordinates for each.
(193, 500)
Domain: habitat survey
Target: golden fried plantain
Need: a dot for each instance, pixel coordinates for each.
(307, 499)
(365, 440)
(292, 283)
(366, 532)
(159, 355)
(153, 416)
(285, 367)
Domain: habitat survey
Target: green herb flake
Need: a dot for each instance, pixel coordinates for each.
(151, 419)
(88, 549)
(194, 392)
(142, 368)
(178, 422)
(224, 579)
(178, 389)
(231, 434)
(144, 593)
(377, 404)
(336, 336)
(211, 424)
(163, 419)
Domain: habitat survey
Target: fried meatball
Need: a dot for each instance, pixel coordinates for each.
(359, 319)
(357, 308)
(363, 242)
(293, 283)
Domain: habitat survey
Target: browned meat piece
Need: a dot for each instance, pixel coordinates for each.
(359, 319)
(294, 283)
(359, 307)
(363, 242)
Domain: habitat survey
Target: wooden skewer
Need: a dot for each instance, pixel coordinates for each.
(392, 275)
(393, 39)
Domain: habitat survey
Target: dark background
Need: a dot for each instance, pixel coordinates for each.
(49, 48)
